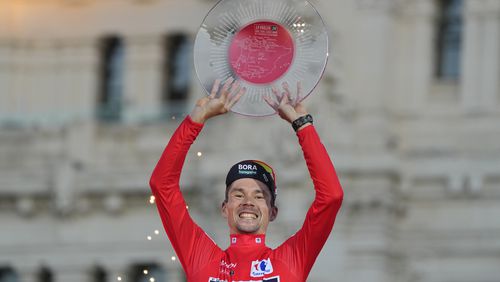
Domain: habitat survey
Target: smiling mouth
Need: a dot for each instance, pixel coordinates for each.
(247, 215)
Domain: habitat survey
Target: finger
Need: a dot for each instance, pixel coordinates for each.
(225, 88)
(285, 98)
(229, 80)
(228, 95)
(285, 86)
(297, 101)
(271, 103)
(299, 92)
(300, 109)
(236, 98)
(276, 93)
(287, 92)
(234, 89)
(202, 101)
(215, 87)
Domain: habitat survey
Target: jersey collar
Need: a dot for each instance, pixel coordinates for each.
(247, 240)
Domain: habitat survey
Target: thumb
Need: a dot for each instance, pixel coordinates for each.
(300, 109)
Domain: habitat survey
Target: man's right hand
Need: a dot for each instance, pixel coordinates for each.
(219, 101)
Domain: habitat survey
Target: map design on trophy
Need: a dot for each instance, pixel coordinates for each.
(261, 44)
(261, 52)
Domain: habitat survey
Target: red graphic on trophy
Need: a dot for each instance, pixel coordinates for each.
(261, 52)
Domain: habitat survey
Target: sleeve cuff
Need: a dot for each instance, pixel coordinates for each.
(305, 130)
(193, 123)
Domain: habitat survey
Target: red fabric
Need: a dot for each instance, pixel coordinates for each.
(247, 258)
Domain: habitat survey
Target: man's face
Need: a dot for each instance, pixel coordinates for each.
(248, 207)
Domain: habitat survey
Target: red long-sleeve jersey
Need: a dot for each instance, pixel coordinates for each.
(247, 259)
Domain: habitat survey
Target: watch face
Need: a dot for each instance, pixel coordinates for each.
(261, 44)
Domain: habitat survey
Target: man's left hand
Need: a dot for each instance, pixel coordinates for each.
(287, 107)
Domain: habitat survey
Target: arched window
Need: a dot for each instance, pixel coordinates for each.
(177, 73)
(7, 274)
(111, 78)
(449, 39)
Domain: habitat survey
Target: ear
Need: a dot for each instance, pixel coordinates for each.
(223, 209)
(273, 213)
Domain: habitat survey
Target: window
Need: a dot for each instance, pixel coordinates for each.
(99, 274)
(45, 275)
(111, 79)
(177, 70)
(144, 272)
(7, 274)
(449, 37)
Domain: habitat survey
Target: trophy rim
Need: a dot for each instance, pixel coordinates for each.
(316, 80)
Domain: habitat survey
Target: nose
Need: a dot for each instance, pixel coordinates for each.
(247, 201)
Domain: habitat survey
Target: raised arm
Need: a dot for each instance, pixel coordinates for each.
(302, 249)
(190, 242)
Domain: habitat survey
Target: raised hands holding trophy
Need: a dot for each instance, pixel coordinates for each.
(222, 99)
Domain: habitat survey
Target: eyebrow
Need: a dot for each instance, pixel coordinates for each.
(236, 189)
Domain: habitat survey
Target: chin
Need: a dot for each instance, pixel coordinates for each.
(248, 229)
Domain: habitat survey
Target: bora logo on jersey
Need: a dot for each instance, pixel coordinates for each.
(261, 267)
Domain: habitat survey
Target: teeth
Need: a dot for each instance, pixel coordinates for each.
(248, 215)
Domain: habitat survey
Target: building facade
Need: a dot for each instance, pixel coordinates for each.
(408, 107)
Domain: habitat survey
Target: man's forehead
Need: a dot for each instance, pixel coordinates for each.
(246, 189)
(248, 185)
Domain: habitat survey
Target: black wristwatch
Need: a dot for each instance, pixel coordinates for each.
(296, 124)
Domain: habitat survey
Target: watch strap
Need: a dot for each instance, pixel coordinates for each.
(299, 122)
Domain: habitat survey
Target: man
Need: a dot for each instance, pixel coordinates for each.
(249, 203)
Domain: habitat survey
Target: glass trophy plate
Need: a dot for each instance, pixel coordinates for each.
(261, 43)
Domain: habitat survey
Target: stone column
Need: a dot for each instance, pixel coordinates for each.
(373, 31)
(471, 54)
(7, 29)
(63, 186)
(19, 80)
(490, 61)
(40, 94)
(5, 77)
(143, 83)
(367, 221)
(84, 81)
(373, 36)
(421, 65)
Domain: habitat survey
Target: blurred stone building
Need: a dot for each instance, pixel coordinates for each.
(409, 109)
